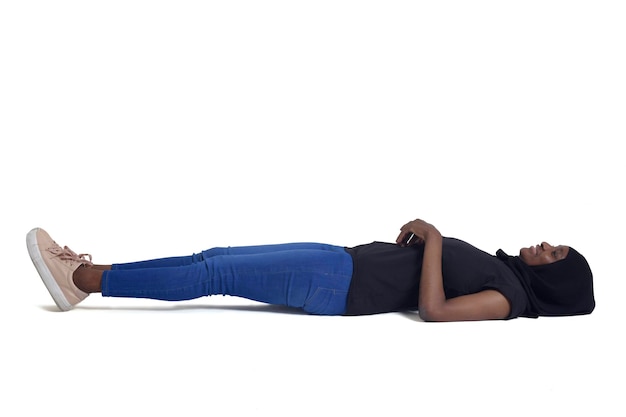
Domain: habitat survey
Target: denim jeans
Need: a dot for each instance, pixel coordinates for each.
(312, 276)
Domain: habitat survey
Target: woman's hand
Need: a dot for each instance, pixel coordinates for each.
(421, 231)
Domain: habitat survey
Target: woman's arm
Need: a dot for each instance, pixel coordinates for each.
(432, 303)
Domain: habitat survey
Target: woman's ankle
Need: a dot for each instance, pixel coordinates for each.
(88, 279)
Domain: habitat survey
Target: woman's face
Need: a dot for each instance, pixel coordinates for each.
(543, 254)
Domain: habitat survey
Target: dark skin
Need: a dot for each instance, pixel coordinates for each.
(432, 302)
(543, 254)
(89, 279)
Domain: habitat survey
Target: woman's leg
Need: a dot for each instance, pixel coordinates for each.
(316, 280)
(218, 251)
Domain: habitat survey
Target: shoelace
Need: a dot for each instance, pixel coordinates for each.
(66, 254)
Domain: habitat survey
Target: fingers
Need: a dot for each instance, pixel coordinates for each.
(411, 239)
(404, 233)
(408, 235)
(408, 239)
(414, 232)
(402, 238)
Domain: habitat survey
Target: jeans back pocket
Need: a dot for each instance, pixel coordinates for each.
(326, 301)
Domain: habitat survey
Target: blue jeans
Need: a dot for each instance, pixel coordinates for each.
(312, 276)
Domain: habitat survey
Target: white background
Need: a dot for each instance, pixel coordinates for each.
(138, 129)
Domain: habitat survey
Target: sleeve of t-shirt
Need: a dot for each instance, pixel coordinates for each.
(514, 293)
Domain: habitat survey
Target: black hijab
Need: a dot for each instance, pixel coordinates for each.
(562, 288)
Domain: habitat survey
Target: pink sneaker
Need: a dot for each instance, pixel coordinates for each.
(56, 266)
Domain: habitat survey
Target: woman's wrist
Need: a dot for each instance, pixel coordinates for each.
(432, 234)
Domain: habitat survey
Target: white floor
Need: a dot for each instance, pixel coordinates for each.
(237, 358)
(139, 129)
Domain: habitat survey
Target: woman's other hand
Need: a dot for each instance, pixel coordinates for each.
(416, 232)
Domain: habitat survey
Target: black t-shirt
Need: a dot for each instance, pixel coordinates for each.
(386, 276)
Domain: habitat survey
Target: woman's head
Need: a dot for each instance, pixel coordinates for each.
(561, 279)
(543, 254)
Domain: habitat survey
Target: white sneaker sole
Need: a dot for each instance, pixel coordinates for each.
(44, 272)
